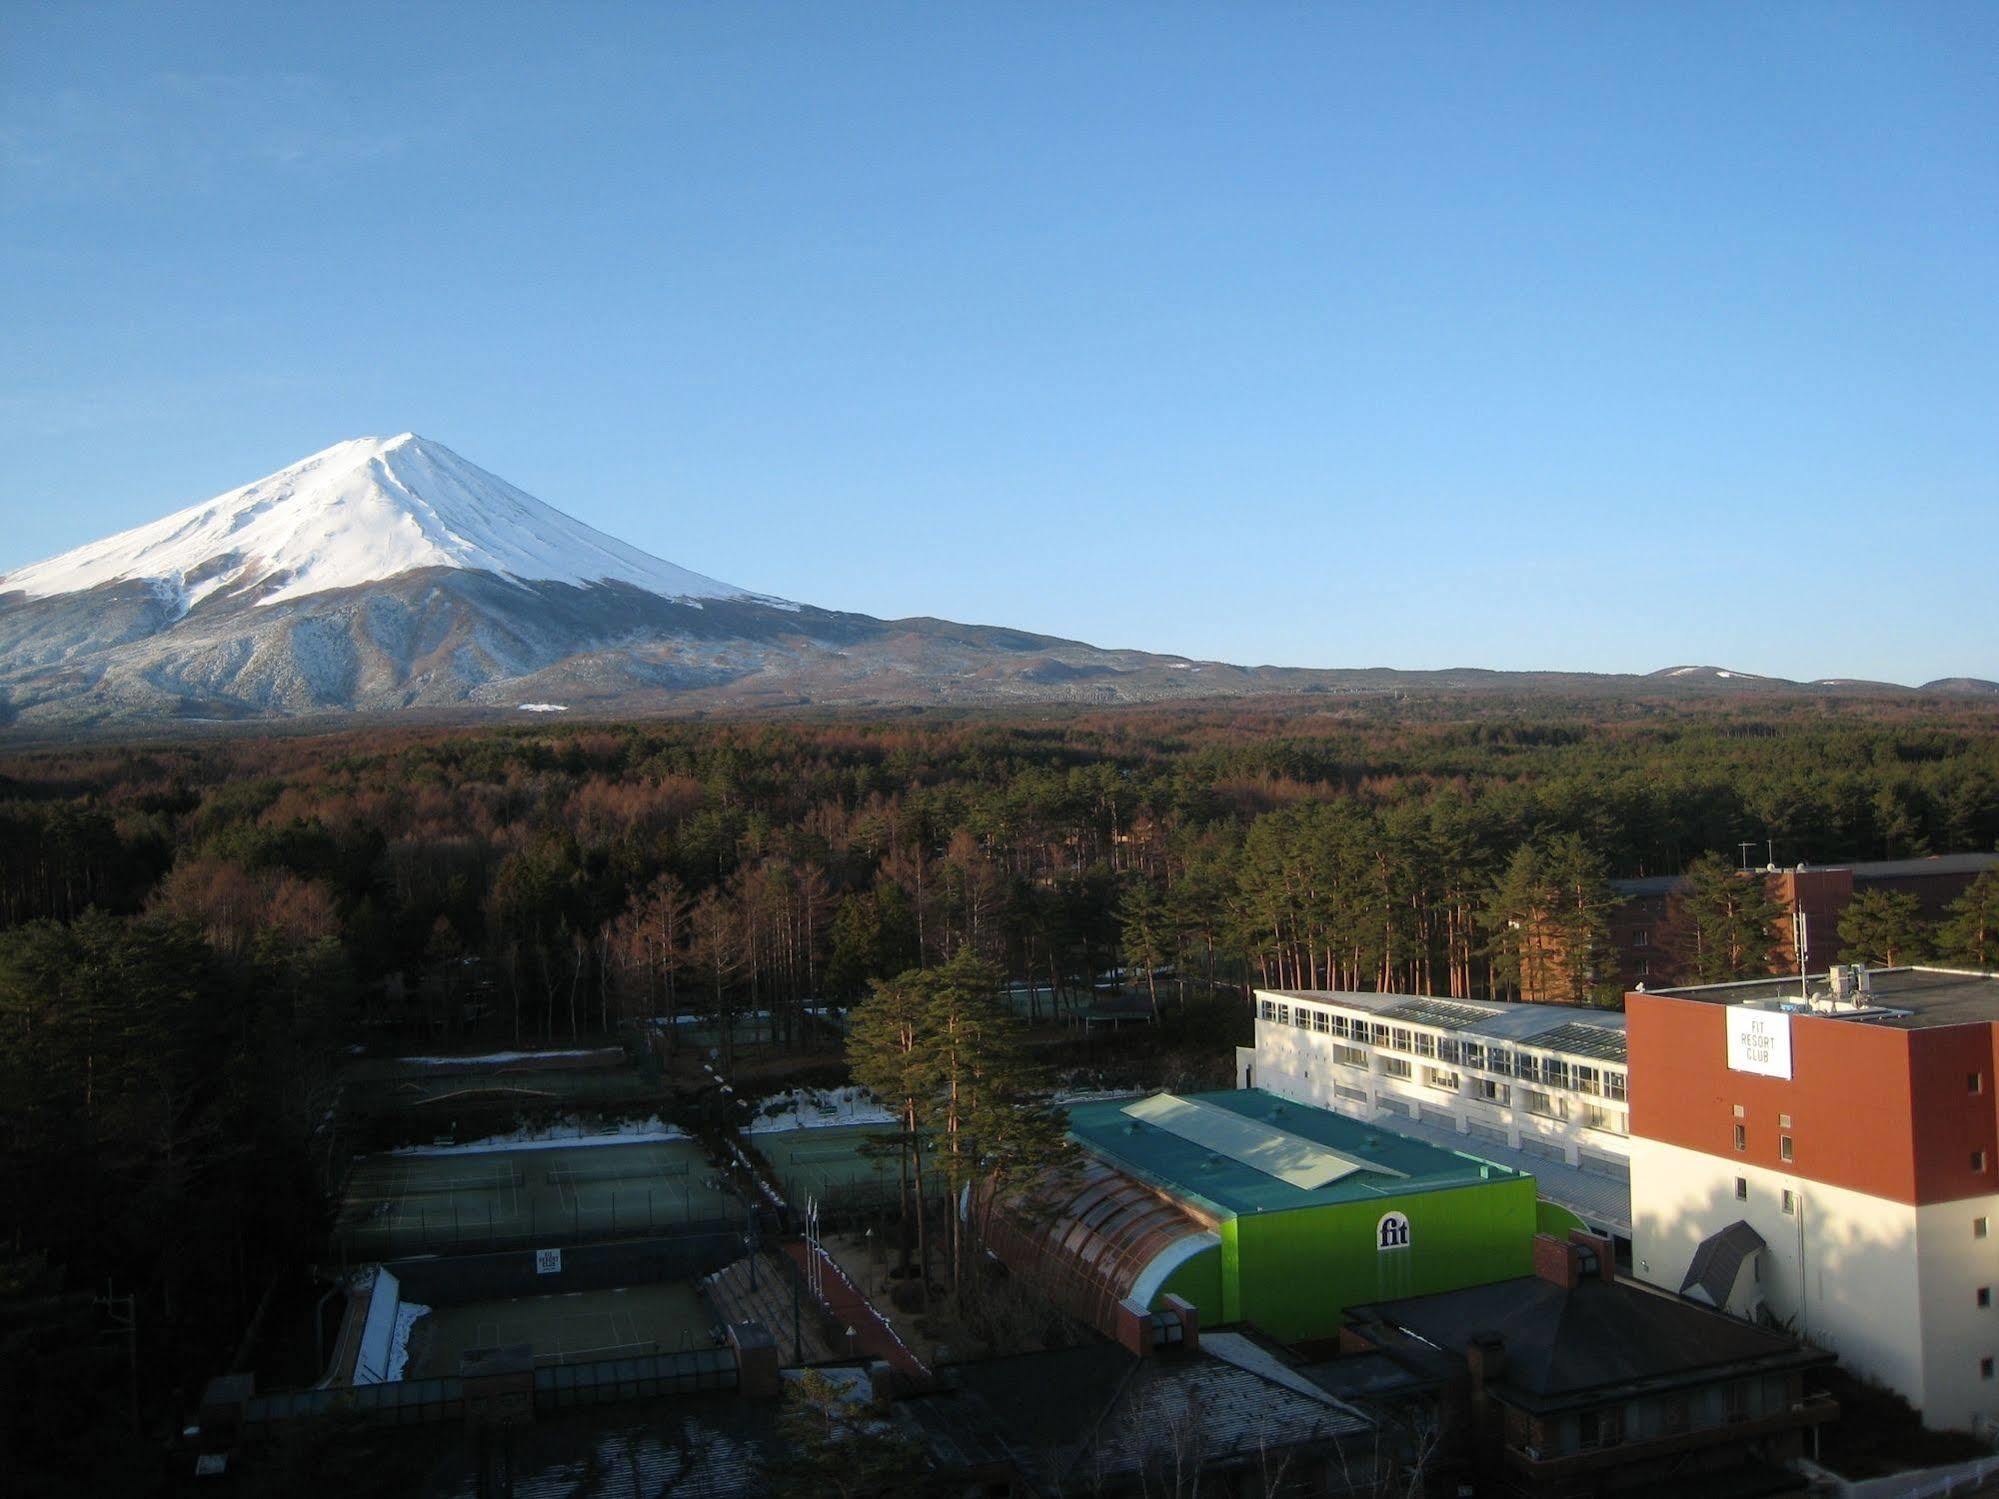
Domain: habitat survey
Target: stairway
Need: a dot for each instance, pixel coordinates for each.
(731, 1299)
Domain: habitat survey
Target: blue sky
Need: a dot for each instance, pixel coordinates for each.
(1564, 336)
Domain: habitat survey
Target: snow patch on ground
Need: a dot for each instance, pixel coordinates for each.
(399, 1344)
(564, 1134)
(816, 1108)
(494, 1057)
(544, 707)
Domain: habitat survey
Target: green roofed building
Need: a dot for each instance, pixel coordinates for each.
(1259, 1210)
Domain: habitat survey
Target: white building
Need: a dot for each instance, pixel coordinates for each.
(1537, 1086)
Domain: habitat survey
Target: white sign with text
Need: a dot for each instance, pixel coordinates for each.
(1759, 1041)
(548, 1262)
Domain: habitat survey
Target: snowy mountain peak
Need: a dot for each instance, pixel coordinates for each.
(359, 512)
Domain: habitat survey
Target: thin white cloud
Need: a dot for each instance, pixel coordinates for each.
(177, 133)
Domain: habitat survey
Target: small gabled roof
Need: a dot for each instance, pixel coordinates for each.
(1718, 1261)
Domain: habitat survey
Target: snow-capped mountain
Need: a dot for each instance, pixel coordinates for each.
(361, 511)
(389, 574)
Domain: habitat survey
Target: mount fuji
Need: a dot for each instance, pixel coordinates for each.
(391, 575)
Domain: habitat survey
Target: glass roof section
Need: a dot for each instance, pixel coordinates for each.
(1290, 1158)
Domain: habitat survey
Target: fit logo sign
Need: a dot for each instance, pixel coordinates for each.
(1391, 1233)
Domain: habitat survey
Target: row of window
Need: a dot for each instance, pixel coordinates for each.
(1487, 1090)
(1605, 1426)
(1555, 1072)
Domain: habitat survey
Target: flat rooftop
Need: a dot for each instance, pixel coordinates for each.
(1381, 1163)
(1575, 1029)
(1898, 998)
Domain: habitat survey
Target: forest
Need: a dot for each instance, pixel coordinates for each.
(194, 934)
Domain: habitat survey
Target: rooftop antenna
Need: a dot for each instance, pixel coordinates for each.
(1742, 852)
(1801, 928)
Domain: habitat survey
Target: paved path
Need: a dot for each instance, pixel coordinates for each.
(844, 1300)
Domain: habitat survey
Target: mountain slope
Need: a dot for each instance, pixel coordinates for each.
(391, 575)
(358, 512)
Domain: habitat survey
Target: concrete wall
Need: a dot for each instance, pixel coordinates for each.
(1842, 1267)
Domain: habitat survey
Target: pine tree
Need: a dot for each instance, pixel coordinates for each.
(1970, 933)
(1883, 927)
(1719, 922)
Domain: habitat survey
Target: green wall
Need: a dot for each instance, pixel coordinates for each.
(1294, 1273)
(1199, 1280)
(1556, 1220)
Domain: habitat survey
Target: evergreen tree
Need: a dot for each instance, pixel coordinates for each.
(1719, 923)
(1970, 932)
(1883, 927)
(1147, 934)
(840, 1443)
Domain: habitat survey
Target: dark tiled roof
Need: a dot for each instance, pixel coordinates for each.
(1567, 1346)
(1718, 1261)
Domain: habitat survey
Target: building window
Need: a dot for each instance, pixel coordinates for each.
(1350, 1056)
(1321, 1021)
(1985, 1368)
(1790, 1200)
(1977, 1228)
(1641, 938)
(1395, 1067)
(1605, 1428)
(1673, 1417)
(1740, 1113)
(1588, 1082)
(1342, 1026)
(1613, 1085)
(1399, 1039)
(1283, 1015)
(1381, 1035)
(1426, 1044)
(1596, 1116)
(1974, 1082)
(1741, 1137)
(1784, 1146)
(1438, 1077)
(1485, 1089)
(1978, 1160)
(1473, 1053)
(1742, 1190)
(1985, 1296)
(1547, 1105)
(1302, 1018)
(1783, 1121)
(1735, 1402)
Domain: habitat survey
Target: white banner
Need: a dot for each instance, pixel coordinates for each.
(1759, 1041)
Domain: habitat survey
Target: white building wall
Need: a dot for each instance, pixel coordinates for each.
(1952, 1263)
(1842, 1268)
(1299, 1063)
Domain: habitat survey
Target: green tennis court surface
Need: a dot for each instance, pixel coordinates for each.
(833, 1165)
(568, 1329)
(410, 1204)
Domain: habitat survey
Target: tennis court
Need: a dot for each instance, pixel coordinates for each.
(832, 1165)
(577, 1328)
(403, 1204)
